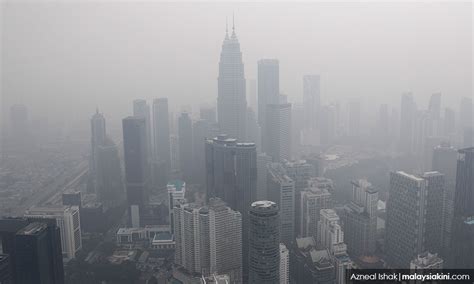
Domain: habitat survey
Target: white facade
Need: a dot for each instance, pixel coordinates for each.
(284, 265)
(313, 199)
(68, 220)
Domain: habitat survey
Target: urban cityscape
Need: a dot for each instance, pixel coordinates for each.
(269, 170)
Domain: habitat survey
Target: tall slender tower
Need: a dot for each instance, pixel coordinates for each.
(97, 139)
(161, 131)
(231, 97)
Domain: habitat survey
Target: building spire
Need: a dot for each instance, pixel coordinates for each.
(233, 25)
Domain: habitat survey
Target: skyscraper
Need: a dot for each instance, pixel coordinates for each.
(434, 212)
(360, 219)
(284, 265)
(201, 131)
(142, 109)
(264, 243)
(329, 230)
(281, 190)
(209, 239)
(278, 131)
(69, 223)
(98, 137)
(263, 160)
(110, 190)
(252, 95)
(444, 161)
(462, 240)
(231, 97)
(406, 209)
(161, 131)
(311, 101)
(185, 139)
(268, 92)
(136, 165)
(313, 199)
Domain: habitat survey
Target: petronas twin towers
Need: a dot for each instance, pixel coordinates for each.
(231, 98)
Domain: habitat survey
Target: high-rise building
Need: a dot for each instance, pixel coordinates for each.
(136, 165)
(360, 219)
(264, 243)
(313, 199)
(406, 210)
(98, 139)
(110, 190)
(161, 132)
(426, 260)
(5, 269)
(407, 118)
(253, 129)
(444, 161)
(311, 101)
(278, 131)
(449, 125)
(231, 174)
(263, 160)
(252, 95)
(209, 114)
(268, 86)
(201, 131)
(231, 98)
(69, 223)
(281, 190)
(142, 109)
(434, 212)
(185, 138)
(462, 240)
(209, 239)
(37, 255)
(284, 265)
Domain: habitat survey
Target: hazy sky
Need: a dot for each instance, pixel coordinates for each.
(67, 58)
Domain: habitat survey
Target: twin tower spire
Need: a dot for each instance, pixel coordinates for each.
(233, 28)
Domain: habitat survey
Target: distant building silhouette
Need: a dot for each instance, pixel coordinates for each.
(161, 132)
(185, 139)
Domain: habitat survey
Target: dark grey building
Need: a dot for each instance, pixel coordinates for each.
(185, 140)
(201, 131)
(434, 212)
(136, 164)
(98, 137)
(311, 101)
(462, 241)
(110, 190)
(406, 209)
(231, 98)
(161, 132)
(268, 93)
(264, 243)
(6, 276)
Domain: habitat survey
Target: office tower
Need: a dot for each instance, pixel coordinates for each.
(136, 165)
(110, 190)
(174, 148)
(209, 239)
(278, 131)
(311, 101)
(300, 172)
(329, 230)
(313, 199)
(264, 243)
(185, 138)
(281, 190)
(310, 264)
(231, 98)
(268, 86)
(406, 209)
(328, 124)
(263, 160)
(5, 269)
(201, 131)
(360, 219)
(462, 240)
(444, 161)
(36, 257)
(407, 118)
(252, 95)
(353, 123)
(98, 138)
(161, 132)
(209, 114)
(434, 106)
(420, 134)
(69, 223)
(426, 260)
(176, 192)
(284, 265)
(231, 174)
(142, 109)
(434, 212)
(253, 129)
(299, 136)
